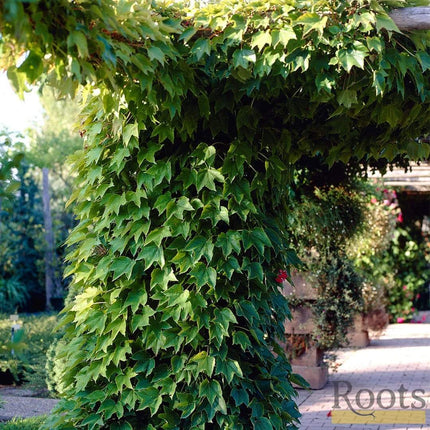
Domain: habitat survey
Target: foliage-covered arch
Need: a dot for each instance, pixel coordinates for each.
(193, 123)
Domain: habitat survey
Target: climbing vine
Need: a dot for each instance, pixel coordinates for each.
(192, 122)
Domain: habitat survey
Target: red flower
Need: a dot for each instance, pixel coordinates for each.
(282, 276)
(329, 413)
(400, 217)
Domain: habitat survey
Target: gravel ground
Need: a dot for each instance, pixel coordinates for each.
(20, 403)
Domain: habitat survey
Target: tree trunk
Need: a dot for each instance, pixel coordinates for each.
(412, 18)
(49, 239)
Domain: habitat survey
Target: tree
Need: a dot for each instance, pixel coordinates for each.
(20, 229)
(8, 162)
(50, 146)
(193, 124)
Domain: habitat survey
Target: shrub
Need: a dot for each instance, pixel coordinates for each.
(13, 294)
(28, 364)
(23, 423)
(325, 220)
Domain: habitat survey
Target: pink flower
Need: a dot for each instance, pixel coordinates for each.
(373, 200)
(400, 217)
(413, 309)
(423, 318)
(400, 320)
(394, 195)
(405, 287)
(417, 296)
(387, 202)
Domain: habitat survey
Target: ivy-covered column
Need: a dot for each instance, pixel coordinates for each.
(175, 314)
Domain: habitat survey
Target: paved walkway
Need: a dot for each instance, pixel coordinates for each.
(393, 374)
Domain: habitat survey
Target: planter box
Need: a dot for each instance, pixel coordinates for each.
(302, 321)
(358, 335)
(317, 376)
(308, 362)
(304, 286)
(313, 356)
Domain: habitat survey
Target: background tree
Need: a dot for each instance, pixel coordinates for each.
(33, 235)
(19, 252)
(49, 148)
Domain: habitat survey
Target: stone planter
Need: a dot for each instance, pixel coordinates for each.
(358, 334)
(306, 358)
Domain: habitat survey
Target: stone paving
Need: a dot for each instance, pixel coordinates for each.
(389, 382)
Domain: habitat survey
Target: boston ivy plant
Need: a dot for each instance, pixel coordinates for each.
(192, 123)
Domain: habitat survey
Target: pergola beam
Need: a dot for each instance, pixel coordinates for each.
(412, 18)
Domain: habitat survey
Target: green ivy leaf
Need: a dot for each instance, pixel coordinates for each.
(262, 423)
(149, 398)
(353, 56)
(202, 275)
(122, 266)
(210, 389)
(230, 369)
(240, 396)
(205, 363)
(201, 47)
(155, 53)
(206, 178)
(129, 131)
(151, 254)
(260, 39)
(283, 36)
(242, 58)
(157, 235)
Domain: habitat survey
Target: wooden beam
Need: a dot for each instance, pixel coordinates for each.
(412, 18)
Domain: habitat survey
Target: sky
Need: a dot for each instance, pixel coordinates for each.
(17, 115)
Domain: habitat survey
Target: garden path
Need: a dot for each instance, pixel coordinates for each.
(394, 369)
(18, 402)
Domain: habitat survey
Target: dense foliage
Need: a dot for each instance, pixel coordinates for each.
(325, 222)
(192, 121)
(8, 162)
(408, 259)
(23, 424)
(22, 214)
(27, 364)
(392, 257)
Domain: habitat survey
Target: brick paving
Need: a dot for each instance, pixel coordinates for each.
(395, 368)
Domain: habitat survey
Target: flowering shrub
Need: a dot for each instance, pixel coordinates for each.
(408, 258)
(393, 261)
(368, 249)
